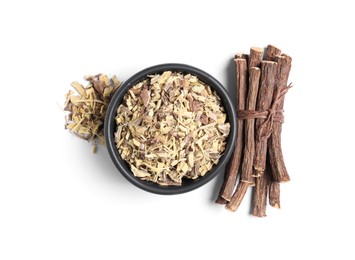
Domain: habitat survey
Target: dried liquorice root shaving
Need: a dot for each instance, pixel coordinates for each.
(88, 105)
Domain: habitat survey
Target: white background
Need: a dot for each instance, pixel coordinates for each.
(60, 201)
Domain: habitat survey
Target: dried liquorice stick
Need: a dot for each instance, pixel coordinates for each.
(242, 56)
(249, 146)
(232, 169)
(275, 156)
(246, 178)
(253, 60)
(266, 88)
(273, 186)
(271, 51)
(278, 167)
(274, 194)
(221, 200)
(268, 167)
(260, 195)
(255, 57)
(238, 196)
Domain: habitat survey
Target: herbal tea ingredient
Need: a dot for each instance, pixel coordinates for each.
(171, 126)
(258, 156)
(87, 108)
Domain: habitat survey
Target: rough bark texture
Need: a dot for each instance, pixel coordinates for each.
(242, 56)
(259, 142)
(278, 167)
(238, 196)
(234, 163)
(246, 178)
(274, 194)
(249, 146)
(271, 51)
(265, 95)
(221, 201)
(255, 57)
(260, 196)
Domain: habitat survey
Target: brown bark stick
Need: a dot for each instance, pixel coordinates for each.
(255, 57)
(238, 196)
(249, 146)
(232, 169)
(258, 154)
(246, 178)
(260, 196)
(274, 194)
(277, 162)
(272, 51)
(221, 200)
(274, 186)
(242, 56)
(267, 84)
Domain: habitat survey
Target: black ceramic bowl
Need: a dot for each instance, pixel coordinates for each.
(110, 128)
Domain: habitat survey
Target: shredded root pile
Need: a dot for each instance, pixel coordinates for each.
(169, 127)
(87, 108)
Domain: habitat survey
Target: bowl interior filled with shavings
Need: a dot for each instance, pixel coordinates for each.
(170, 128)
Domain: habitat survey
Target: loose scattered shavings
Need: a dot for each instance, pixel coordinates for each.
(87, 108)
(171, 126)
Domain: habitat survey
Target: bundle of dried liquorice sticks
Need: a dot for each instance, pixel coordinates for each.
(257, 158)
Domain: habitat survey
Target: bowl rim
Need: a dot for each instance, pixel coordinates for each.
(110, 128)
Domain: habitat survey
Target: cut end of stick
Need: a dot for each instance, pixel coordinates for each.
(256, 56)
(268, 62)
(241, 56)
(240, 61)
(276, 205)
(260, 215)
(230, 209)
(238, 196)
(254, 70)
(274, 192)
(281, 175)
(284, 179)
(286, 55)
(257, 49)
(273, 47)
(221, 201)
(272, 51)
